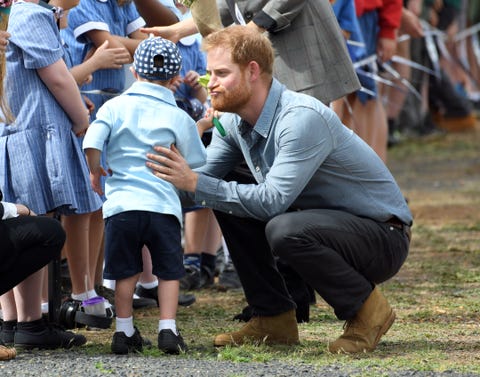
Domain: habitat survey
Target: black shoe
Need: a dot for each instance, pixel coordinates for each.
(7, 336)
(122, 344)
(52, 337)
(186, 299)
(152, 293)
(168, 342)
(144, 303)
(191, 280)
(105, 292)
(228, 279)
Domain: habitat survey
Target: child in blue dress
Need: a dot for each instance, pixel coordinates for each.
(141, 209)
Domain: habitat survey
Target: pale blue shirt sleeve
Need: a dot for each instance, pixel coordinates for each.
(299, 151)
(99, 131)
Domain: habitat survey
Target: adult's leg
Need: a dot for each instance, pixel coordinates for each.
(264, 286)
(32, 243)
(332, 252)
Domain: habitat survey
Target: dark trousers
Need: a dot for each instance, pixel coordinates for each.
(340, 255)
(28, 243)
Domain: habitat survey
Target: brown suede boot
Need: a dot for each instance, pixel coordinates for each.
(7, 353)
(278, 329)
(363, 332)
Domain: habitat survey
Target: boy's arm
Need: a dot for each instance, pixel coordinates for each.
(63, 87)
(96, 170)
(102, 57)
(98, 37)
(132, 41)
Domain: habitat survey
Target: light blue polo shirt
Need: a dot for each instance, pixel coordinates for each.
(145, 115)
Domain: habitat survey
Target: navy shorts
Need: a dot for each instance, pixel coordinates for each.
(125, 235)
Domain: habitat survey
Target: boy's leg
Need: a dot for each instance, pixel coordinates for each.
(169, 338)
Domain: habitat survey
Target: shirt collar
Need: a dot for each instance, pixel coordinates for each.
(152, 90)
(265, 120)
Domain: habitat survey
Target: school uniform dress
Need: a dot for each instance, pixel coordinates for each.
(103, 15)
(42, 161)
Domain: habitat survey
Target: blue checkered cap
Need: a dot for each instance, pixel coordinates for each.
(157, 59)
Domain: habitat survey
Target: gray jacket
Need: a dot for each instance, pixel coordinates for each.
(310, 51)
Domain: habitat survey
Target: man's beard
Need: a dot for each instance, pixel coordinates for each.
(233, 100)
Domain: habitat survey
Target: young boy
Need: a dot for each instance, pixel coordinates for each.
(141, 209)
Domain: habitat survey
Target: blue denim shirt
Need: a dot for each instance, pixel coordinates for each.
(302, 157)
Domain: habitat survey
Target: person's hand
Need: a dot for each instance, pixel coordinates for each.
(191, 79)
(175, 83)
(80, 129)
(109, 58)
(386, 48)
(207, 121)
(167, 32)
(169, 165)
(411, 24)
(90, 105)
(252, 25)
(4, 40)
(95, 180)
(23, 210)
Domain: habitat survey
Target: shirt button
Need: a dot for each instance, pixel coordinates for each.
(257, 168)
(204, 203)
(230, 212)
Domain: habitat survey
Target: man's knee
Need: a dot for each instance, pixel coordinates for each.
(279, 232)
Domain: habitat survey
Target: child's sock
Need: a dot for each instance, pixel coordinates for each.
(153, 284)
(85, 295)
(32, 326)
(191, 260)
(125, 325)
(167, 324)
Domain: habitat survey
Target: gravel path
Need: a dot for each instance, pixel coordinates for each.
(73, 364)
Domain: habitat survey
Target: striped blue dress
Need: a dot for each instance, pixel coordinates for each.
(42, 163)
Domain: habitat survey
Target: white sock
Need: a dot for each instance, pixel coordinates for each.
(85, 295)
(125, 325)
(44, 307)
(153, 284)
(167, 324)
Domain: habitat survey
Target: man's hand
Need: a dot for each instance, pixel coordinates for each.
(170, 166)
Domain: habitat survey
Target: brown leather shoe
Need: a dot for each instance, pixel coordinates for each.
(7, 353)
(363, 332)
(278, 329)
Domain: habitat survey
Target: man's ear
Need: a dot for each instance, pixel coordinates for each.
(254, 70)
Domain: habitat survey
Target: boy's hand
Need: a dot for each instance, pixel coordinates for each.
(95, 181)
(206, 122)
